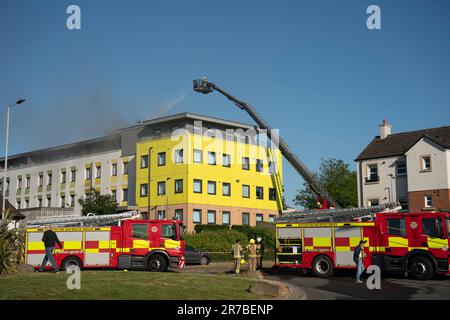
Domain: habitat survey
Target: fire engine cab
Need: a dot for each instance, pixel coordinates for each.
(415, 244)
(152, 245)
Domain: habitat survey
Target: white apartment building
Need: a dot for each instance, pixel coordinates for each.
(57, 177)
(412, 168)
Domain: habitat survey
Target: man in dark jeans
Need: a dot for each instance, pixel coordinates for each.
(49, 238)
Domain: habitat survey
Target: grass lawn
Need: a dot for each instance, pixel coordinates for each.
(125, 285)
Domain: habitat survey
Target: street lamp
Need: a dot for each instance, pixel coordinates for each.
(20, 101)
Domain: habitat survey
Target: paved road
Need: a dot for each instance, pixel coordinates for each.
(343, 286)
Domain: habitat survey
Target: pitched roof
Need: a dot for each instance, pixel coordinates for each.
(399, 143)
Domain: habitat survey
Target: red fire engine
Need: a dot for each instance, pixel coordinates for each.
(152, 245)
(415, 244)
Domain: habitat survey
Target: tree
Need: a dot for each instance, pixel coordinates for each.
(98, 203)
(340, 182)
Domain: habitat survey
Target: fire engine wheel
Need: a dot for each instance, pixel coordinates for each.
(420, 268)
(71, 262)
(204, 260)
(322, 266)
(157, 263)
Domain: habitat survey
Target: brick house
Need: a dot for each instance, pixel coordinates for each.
(412, 168)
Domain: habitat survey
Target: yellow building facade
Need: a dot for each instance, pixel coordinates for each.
(208, 179)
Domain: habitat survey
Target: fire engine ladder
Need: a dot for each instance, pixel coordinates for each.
(330, 215)
(88, 220)
(277, 182)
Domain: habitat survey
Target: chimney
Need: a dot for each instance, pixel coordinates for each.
(385, 129)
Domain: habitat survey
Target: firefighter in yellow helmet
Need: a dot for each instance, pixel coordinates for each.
(251, 249)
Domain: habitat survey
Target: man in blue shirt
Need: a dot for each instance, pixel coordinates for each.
(358, 257)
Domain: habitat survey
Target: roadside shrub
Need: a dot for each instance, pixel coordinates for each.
(215, 241)
(210, 227)
(11, 245)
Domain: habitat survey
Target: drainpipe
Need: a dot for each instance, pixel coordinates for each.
(148, 183)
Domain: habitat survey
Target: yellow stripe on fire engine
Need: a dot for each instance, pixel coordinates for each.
(171, 244)
(141, 244)
(92, 250)
(72, 245)
(36, 246)
(345, 249)
(322, 242)
(437, 243)
(398, 242)
(103, 244)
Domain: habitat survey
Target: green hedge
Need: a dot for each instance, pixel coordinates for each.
(210, 227)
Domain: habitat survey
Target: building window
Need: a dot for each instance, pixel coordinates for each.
(259, 193)
(179, 156)
(373, 202)
(245, 163)
(259, 217)
(197, 128)
(87, 173)
(125, 168)
(49, 201)
(245, 218)
(197, 216)
(114, 170)
(428, 201)
(396, 227)
(179, 214)
(425, 163)
(226, 160)
(144, 190)
(157, 133)
(49, 179)
(197, 186)
(27, 204)
(114, 194)
(271, 218)
(144, 162)
(161, 188)
(125, 194)
(432, 227)
(259, 165)
(179, 186)
(161, 159)
(198, 156)
(98, 171)
(140, 231)
(211, 158)
(211, 187)
(40, 180)
(272, 194)
(73, 175)
(372, 173)
(401, 168)
(245, 191)
(271, 167)
(19, 183)
(211, 217)
(18, 204)
(226, 189)
(27, 181)
(63, 201)
(226, 218)
(39, 203)
(161, 214)
(72, 200)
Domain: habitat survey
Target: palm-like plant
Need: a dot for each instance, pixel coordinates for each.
(11, 245)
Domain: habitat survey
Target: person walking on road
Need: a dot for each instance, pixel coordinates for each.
(49, 238)
(260, 253)
(358, 257)
(251, 248)
(236, 250)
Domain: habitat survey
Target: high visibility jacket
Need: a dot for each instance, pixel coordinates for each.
(236, 250)
(251, 250)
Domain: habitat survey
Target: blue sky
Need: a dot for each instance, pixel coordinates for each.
(311, 68)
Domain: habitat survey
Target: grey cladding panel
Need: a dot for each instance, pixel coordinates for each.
(317, 232)
(289, 233)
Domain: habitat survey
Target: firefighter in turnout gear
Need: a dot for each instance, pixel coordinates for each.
(251, 249)
(259, 253)
(236, 251)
